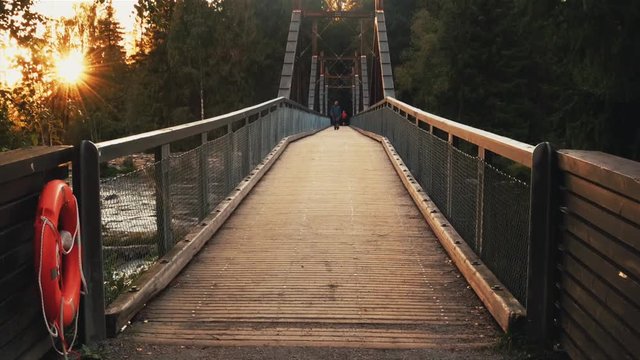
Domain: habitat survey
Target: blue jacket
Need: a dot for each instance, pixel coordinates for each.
(335, 112)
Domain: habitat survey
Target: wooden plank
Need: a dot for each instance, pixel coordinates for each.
(612, 172)
(15, 164)
(23, 209)
(16, 235)
(121, 310)
(502, 305)
(24, 340)
(600, 336)
(27, 314)
(579, 336)
(15, 300)
(571, 348)
(86, 174)
(613, 250)
(16, 258)
(543, 245)
(615, 203)
(625, 231)
(606, 270)
(16, 281)
(325, 251)
(23, 173)
(39, 349)
(608, 298)
(30, 184)
(584, 298)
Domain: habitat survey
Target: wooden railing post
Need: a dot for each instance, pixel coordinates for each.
(163, 199)
(86, 184)
(229, 163)
(480, 200)
(542, 246)
(203, 177)
(246, 152)
(451, 141)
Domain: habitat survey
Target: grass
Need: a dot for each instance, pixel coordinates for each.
(117, 282)
(107, 170)
(516, 345)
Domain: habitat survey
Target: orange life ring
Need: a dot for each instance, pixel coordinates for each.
(58, 265)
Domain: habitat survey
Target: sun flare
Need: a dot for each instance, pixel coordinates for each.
(70, 68)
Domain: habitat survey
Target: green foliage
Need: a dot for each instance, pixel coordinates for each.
(534, 71)
(91, 352)
(199, 59)
(107, 170)
(18, 19)
(194, 59)
(516, 346)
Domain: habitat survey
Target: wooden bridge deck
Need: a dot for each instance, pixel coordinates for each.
(327, 250)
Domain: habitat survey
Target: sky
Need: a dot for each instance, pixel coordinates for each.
(124, 13)
(64, 8)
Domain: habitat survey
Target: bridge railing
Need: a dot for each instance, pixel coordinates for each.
(478, 180)
(137, 216)
(576, 268)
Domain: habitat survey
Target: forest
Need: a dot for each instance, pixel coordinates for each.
(564, 71)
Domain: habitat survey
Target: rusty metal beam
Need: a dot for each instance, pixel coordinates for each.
(314, 37)
(339, 58)
(385, 57)
(312, 82)
(338, 14)
(365, 82)
(340, 86)
(346, 76)
(286, 79)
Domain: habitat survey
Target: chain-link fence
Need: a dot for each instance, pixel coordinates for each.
(183, 188)
(488, 207)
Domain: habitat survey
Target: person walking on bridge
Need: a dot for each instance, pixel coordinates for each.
(335, 114)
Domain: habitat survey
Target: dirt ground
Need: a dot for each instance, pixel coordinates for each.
(119, 349)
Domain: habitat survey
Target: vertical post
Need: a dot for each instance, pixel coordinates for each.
(542, 247)
(353, 96)
(480, 200)
(321, 88)
(203, 176)
(362, 36)
(314, 37)
(229, 162)
(326, 96)
(86, 183)
(278, 121)
(357, 95)
(263, 138)
(250, 145)
(451, 141)
(163, 200)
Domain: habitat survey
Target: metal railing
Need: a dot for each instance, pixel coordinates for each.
(488, 206)
(136, 217)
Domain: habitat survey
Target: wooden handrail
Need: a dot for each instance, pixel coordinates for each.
(112, 149)
(517, 151)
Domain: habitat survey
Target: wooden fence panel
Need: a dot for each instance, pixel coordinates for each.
(23, 173)
(599, 299)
